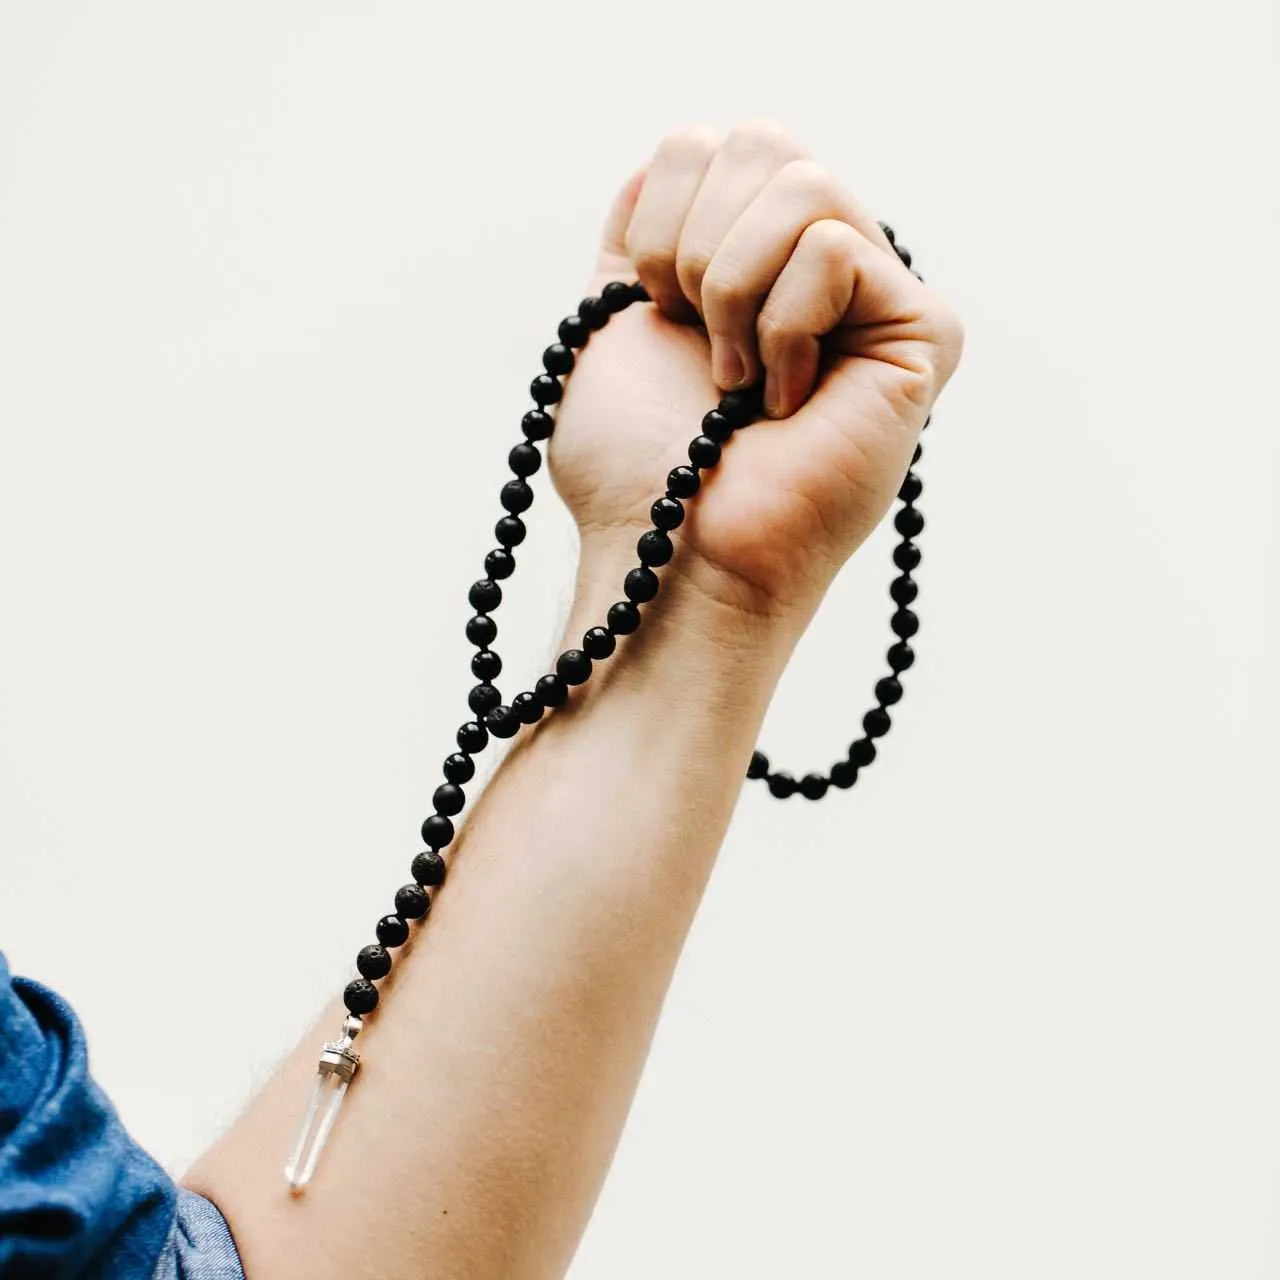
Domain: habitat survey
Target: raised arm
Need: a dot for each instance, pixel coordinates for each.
(505, 1051)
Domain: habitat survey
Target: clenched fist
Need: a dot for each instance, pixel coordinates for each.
(761, 266)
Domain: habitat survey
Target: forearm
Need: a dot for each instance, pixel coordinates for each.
(499, 1068)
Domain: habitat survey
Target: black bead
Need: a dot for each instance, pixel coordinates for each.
(623, 618)
(527, 708)
(919, 449)
(551, 691)
(545, 389)
(912, 487)
(373, 962)
(782, 785)
(573, 666)
(888, 231)
(654, 547)
(903, 590)
(876, 723)
(482, 631)
(715, 426)
(639, 293)
(392, 931)
(813, 786)
(703, 452)
(558, 359)
(595, 315)
(906, 555)
(682, 482)
(904, 254)
(909, 522)
(759, 766)
(437, 831)
(598, 643)
(360, 997)
(502, 722)
(428, 868)
(516, 496)
(482, 698)
(667, 513)
(524, 458)
(572, 332)
(862, 753)
(412, 901)
(499, 563)
(485, 665)
(459, 768)
(510, 531)
(485, 595)
(901, 656)
(472, 737)
(888, 691)
(537, 425)
(617, 296)
(742, 407)
(640, 585)
(904, 623)
(844, 773)
(448, 799)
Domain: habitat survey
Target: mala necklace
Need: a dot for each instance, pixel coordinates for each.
(494, 718)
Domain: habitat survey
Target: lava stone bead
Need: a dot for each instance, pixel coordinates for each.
(360, 997)
(429, 868)
(412, 901)
(373, 962)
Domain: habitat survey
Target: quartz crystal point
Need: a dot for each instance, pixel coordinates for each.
(337, 1065)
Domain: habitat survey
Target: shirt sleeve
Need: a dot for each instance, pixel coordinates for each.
(78, 1197)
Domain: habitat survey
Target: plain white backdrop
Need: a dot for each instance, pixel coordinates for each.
(273, 278)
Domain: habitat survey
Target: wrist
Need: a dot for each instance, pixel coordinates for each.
(702, 625)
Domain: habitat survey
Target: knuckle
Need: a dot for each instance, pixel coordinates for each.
(829, 242)
(651, 260)
(942, 324)
(773, 332)
(724, 290)
(807, 178)
(753, 136)
(689, 144)
(948, 330)
(692, 265)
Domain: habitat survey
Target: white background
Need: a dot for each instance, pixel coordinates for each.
(273, 278)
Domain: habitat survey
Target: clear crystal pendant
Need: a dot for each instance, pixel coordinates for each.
(338, 1063)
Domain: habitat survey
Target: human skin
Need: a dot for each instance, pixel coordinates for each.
(498, 1070)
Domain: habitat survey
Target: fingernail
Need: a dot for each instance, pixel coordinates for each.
(727, 369)
(772, 396)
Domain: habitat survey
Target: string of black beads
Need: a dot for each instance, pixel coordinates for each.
(909, 523)
(498, 719)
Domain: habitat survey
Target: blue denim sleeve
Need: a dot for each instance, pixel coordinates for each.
(78, 1197)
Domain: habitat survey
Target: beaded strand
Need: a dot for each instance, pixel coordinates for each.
(494, 718)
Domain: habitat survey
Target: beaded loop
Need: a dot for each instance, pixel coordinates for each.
(735, 410)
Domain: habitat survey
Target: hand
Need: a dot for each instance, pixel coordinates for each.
(758, 263)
